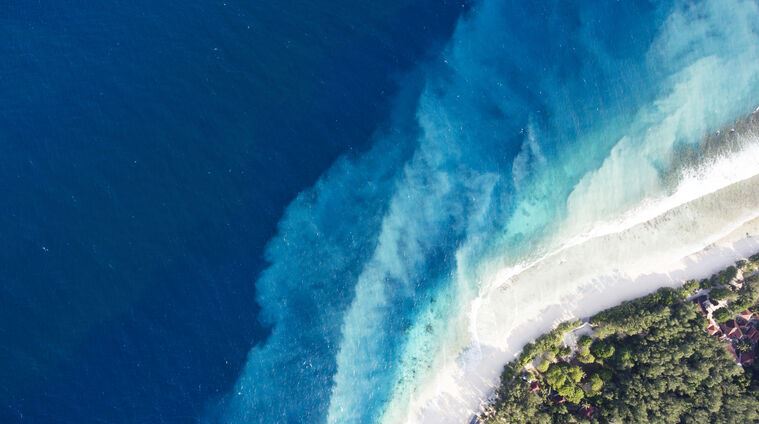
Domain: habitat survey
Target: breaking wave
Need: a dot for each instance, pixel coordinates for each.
(552, 134)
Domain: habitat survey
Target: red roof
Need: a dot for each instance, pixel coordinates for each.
(746, 315)
(712, 330)
(732, 331)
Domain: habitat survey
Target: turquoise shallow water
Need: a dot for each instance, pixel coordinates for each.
(534, 121)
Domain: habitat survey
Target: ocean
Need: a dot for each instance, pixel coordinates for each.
(148, 150)
(239, 212)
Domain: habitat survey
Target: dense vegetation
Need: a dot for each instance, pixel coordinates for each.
(649, 361)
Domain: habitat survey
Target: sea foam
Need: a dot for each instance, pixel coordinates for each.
(641, 211)
(549, 163)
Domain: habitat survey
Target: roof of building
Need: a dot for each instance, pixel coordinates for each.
(734, 333)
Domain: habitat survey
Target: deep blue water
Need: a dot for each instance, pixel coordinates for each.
(147, 151)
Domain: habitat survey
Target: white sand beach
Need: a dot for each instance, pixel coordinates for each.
(698, 236)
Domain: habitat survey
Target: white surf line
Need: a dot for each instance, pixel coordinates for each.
(497, 283)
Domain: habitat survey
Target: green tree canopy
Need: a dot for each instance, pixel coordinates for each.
(656, 365)
(722, 315)
(602, 349)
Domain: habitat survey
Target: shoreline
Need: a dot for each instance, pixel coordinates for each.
(501, 327)
(702, 335)
(699, 265)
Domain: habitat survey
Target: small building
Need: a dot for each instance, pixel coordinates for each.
(732, 330)
(746, 315)
(734, 333)
(713, 330)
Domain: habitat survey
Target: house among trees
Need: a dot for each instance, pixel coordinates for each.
(720, 299)
(599, 370)
(746, 316)
(732, 330)
(714, 330)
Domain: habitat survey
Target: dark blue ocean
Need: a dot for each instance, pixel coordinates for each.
(147, 151)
